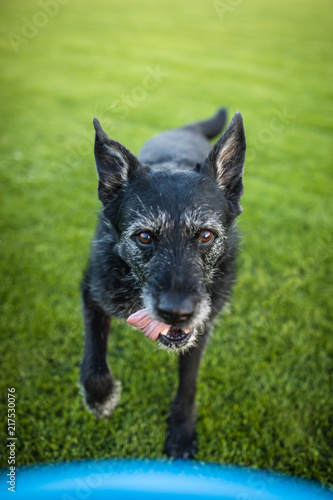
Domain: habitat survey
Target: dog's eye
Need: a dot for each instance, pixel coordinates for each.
(145, 238)
(206, 236)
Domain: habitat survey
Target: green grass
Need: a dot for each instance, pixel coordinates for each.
(265, 387)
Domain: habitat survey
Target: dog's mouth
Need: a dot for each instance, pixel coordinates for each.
(175, 337)
(168, 336)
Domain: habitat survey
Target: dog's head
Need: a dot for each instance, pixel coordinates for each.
(173, 227)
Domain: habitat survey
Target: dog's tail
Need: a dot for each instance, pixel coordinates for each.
(211, 127)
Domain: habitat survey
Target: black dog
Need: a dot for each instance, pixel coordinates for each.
(163, 254)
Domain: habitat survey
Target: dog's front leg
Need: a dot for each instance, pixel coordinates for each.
(101, 392)
(181, 435)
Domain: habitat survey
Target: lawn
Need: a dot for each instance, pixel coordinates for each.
(266, 381)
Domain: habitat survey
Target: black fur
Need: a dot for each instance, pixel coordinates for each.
(178, 191)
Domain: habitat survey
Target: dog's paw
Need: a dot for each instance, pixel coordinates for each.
(180, 443)
(101, 395)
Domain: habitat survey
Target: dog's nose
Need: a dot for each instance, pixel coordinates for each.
(174, 308)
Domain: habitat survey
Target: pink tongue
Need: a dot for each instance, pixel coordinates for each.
(149, 326)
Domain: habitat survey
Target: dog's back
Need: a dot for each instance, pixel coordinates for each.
(184, 146)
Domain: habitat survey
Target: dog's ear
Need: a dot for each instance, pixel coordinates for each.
(115, 164)
(225, 162)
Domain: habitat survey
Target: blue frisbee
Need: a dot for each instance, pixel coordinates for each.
(153, 479)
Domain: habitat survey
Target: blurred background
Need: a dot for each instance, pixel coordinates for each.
(265, 388)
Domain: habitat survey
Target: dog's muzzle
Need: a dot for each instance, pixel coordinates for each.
(168, 336)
